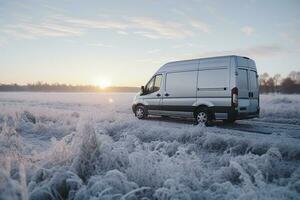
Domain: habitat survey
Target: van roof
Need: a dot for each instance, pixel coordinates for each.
(207, 62)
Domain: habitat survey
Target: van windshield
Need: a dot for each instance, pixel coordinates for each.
(154, 84)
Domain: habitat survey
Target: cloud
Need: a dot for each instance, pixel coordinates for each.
(217, 14)
(58, 26)
(99, 44)
(247, 30)
(147, 34)
(200, 25)
(291, 36)
(185, 45)
(153, 28)
(253, 52)
(153, 51)
(194, 23)
(122, 32)
(2, 42)
(95, 24)
(29, 30)
(61, 25)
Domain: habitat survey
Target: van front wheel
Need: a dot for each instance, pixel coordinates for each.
(202, 117)
(140, 112)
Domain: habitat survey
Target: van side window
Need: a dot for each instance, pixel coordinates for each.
(157, 82)
(154, 84)
(149, 86)
(213, 78)
(242, 80)
(181, 84)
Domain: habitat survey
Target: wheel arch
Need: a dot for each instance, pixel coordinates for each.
(199, 107)
(210, 110)
(141, 104)
(203, 103)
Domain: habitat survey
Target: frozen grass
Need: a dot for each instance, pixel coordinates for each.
(83, 146)
(280, 108)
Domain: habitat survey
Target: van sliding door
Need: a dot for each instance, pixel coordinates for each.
(180, 92)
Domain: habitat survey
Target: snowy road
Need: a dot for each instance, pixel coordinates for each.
(254, 126)
(83, 146)
(270, 128)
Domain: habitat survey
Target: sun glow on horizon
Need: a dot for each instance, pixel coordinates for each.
(103, 83)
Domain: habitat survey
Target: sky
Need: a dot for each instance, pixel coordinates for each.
(122, 43)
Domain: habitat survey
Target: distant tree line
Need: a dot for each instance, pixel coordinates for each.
(279, 84)
(267, 84)
(56, 87)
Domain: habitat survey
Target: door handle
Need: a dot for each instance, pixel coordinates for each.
(167, 95)
(158, 95)
(250, 94)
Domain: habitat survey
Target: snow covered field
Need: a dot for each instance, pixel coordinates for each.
(90, 146)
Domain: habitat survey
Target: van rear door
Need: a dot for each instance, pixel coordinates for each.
(243, 90)
(253, 91)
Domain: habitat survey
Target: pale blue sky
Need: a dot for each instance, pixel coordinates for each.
(125, 42)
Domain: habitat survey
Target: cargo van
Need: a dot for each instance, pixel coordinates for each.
(216, 88)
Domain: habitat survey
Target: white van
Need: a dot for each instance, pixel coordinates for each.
(217, 88)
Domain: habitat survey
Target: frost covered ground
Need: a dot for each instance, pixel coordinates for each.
(90, 146)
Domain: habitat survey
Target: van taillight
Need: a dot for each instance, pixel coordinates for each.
(234, 97)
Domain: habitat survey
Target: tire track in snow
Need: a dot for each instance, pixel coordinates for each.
(247, 126)
(269, 128)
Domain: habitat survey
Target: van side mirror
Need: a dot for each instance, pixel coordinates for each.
(142, 89)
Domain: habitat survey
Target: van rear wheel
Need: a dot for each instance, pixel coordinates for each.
(202, 117)
(140, 112)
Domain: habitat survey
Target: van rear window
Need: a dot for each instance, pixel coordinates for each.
(242, 79)
(253, 80)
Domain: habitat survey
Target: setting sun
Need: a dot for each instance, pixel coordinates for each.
(104, 84)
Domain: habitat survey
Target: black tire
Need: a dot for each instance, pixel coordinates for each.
(202, 116)
(140, 112)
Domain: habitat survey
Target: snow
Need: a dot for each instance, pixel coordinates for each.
(90, 146)
(281, 108)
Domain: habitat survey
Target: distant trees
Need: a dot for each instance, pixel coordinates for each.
(56, 87)
(267, 84)
(288, 85)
